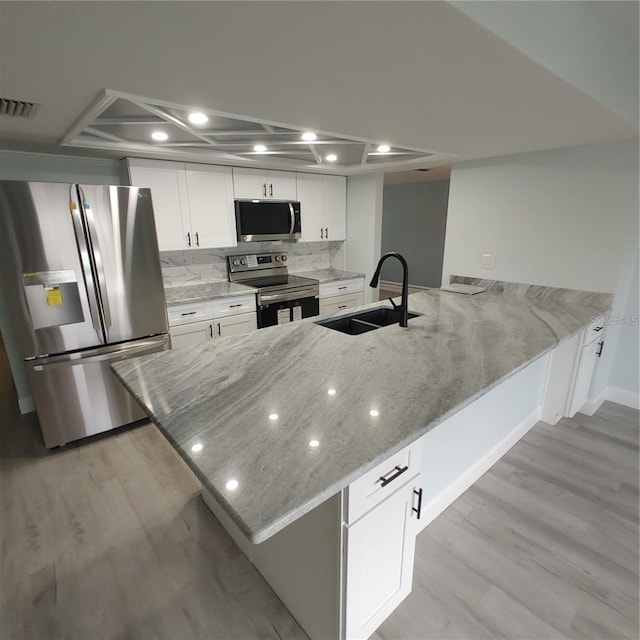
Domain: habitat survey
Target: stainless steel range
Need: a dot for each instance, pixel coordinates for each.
(281, 297)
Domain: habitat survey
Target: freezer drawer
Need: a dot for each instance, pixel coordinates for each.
(77, 395)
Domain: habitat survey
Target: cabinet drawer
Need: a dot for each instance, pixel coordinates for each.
(187, 313)
(223, 307)
(593, 331)
(383, 480)
(336, 304)
(328, 289)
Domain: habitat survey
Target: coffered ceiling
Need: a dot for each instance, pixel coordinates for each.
(424, 78)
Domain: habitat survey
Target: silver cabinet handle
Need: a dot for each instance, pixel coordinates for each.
(197, 240)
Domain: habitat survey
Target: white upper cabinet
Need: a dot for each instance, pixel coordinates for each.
(323, 207)
(260, 184)
(192, 203)
(169, 196)
(210, 193)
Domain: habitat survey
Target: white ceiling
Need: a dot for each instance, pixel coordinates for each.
(416, 74)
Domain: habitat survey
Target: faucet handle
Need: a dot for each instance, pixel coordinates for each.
(394, 305)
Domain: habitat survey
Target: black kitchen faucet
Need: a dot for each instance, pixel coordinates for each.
(404, 304)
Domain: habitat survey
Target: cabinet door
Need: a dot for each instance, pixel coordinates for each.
(210, 192)
(334, 205)
(190, 334)
(310, 196)
(249, 183)
(281, 185)
(236, 325)
(584, 374)
(170, 203)
(379, 564)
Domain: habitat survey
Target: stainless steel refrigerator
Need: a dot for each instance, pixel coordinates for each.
(81, 273)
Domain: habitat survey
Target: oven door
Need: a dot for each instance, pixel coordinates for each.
(258, 220)
(287, 311)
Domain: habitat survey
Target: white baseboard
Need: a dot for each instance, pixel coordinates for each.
(26, 405)
(623, 396)
(592, 405)
(432, 509)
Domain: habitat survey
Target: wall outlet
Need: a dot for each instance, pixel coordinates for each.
(487, 261)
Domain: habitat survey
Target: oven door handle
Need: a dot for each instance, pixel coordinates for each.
(293, 218)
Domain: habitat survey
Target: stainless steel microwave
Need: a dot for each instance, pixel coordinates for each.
(260, 220)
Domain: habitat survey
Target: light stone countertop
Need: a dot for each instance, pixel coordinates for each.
(329, 275)
(221, 395)
(205, 291)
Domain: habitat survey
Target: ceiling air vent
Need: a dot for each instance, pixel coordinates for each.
(17, 108)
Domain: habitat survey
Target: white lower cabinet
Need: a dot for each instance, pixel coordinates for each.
(235, 325)
(379, 563)
(197, 323)
(588, 355)
(187, 335)
(340, 295)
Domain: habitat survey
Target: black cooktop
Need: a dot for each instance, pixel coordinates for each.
(281, 281)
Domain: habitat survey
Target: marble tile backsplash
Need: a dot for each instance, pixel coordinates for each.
(199, 266)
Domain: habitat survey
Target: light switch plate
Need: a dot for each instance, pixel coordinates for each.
(487, 261)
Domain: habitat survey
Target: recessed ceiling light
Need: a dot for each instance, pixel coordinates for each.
(197, 447)
(309, 135)
(260, 148)
(332, 157)
(232, 485)
(314, 443)
(198, 118)
(160, 136)
(331, 392)
(273, 416)
(384, 148)
(374, 412)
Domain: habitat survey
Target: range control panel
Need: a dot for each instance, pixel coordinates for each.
(255, 261)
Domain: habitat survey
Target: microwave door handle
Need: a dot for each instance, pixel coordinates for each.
(293, 218)
(102, 281)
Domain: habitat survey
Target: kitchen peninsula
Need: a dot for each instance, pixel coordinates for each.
(291, 421)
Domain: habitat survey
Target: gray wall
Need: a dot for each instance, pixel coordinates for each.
(44, 168)
(414, 218)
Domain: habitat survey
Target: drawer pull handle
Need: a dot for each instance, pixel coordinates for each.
(599, 328)
(419, 509)
(397, 472)
(599, 353)
(231, 306)
(189, 313)
(340, 288)
(342, 306)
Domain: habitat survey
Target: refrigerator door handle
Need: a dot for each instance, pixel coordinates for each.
(102, 282)
(85, 261)
(119, 352)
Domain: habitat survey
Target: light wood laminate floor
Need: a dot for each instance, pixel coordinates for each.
(109, 539)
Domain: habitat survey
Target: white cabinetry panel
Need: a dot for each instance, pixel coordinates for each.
(323, 207)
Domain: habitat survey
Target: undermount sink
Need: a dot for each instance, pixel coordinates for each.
(364, 321)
